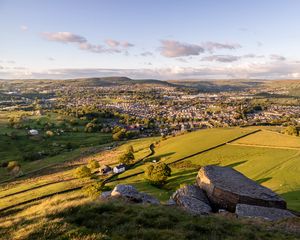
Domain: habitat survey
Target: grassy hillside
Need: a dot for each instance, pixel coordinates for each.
(275, 165)
(274, 161)
(74, 216)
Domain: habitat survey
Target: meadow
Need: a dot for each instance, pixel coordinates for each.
(276, 166)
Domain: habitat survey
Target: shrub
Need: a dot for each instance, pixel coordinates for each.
(49, 133)
(93, 164)
(126, 158)
(31, 156)
(119, 135)
(291, 130)
(82, 172)
(12, 164)
(158, 173)
(130, 149)
(93, 190)
(91, 127)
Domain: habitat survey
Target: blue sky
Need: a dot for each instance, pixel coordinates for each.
(165, 39)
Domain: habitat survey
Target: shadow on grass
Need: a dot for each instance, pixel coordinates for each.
(293, 201)
(158, 157)
(232, 165)
(187, 176)
(263, 180)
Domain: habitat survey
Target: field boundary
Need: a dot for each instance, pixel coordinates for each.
(110, 178)
(151, 147)
(263, 146)
(192, 155)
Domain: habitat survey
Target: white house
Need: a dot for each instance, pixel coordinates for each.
(120, 168)
(33, 132)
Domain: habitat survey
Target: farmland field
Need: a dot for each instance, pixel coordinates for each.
(270, 139)
(275, 168)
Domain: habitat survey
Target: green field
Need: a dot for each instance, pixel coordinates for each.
(276, 167)
(270, 139)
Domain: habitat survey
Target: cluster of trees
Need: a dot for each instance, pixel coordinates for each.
(127, 157)
(291, 130)
(120, 133)
(86, 170)
(157, 173)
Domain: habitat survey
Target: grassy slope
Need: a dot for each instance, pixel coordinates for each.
(270, 139)
(275, 168)
(181, 146)
(74, 216)
(141, 147)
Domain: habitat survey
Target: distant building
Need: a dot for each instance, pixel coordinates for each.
(33, 132)
(106, 170)
(120, 168)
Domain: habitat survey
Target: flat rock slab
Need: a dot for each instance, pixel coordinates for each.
(130, 193)
(226, 187)
(270, 214)
(192, 199)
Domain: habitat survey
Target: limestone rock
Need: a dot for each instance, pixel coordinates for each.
(226, 187)
(192, 199)
(267, 213)
(105, 195)
(130, 193)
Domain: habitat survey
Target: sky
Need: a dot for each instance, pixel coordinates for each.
(161, 39)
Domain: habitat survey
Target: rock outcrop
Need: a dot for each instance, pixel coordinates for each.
(226, 187)
(270, 214)
(129, 193)
(192, 199)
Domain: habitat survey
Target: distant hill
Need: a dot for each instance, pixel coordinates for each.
(116, 81)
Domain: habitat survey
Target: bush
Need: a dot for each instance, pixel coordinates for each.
(12, 164)
(119, 135)
(49, 133)
(32, 156)
(93, 190)
(82, 172)
(291, 130)
(91, 127)
(127, 158)
(158, 173)
(93, 164)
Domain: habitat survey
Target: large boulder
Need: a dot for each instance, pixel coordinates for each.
(130, 193)
(270, 214)
(226, 187)
(192, 199)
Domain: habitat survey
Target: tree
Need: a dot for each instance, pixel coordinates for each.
(126, 158)
(119, 135)
(291, 130)
(93, 190)
(82, 172)
(130, 149)
(12, 164)
(91, 127)
(93, 164)
(158, 173)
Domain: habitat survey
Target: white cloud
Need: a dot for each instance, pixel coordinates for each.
(173, 49)
(127, 44)
(83, 44)
(270, 70)
(112, 43)
(277, 57)
(221, 58)
(213, 46)
(65, 37)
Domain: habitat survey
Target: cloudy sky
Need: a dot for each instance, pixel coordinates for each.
(167, 39)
